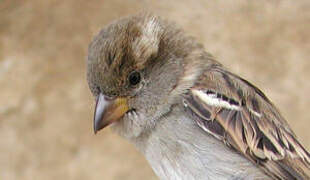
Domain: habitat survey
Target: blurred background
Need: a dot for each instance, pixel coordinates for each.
(46, 107)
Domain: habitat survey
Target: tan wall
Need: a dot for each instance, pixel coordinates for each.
(46, 108)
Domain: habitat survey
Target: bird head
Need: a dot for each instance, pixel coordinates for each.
(136, 68)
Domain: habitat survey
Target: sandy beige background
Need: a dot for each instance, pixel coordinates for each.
(46, 108)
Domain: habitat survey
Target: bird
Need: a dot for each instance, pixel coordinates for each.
(187, 114)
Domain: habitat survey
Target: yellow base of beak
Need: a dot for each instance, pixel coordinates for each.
(108, 110)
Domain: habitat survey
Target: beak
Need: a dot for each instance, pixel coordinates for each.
(108, 110)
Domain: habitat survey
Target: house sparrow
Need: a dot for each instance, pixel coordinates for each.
(188, 115)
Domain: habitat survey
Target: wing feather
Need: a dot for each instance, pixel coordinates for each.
(238, 113)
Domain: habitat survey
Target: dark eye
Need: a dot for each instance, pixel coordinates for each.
(134, 78)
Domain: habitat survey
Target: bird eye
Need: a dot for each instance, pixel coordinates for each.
(134, 78)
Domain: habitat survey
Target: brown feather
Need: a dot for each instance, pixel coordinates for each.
(256, 129)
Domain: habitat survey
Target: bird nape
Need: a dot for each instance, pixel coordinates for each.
(187, 114)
